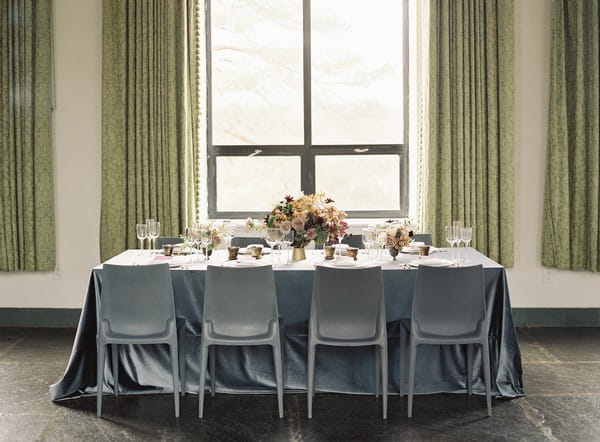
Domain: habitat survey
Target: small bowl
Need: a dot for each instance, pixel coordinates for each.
(168, 249)
(352, 252)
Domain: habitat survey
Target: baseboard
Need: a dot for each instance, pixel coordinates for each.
(523, 317)
(39, 317)
(556, 317)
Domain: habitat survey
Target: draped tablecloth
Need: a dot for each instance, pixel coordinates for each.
(146, 369)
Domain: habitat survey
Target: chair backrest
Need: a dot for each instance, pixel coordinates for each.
(240, 301)
(449, 301)
(245, 241)
(423, 237)
(347, 303)
(353, 241)
(162, 240)
(137, 300)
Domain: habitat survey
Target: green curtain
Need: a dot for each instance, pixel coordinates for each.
(27, 240)
(571, 214)
(470, 165)
(149, 138)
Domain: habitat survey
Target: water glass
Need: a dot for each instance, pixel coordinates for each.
(466, 235)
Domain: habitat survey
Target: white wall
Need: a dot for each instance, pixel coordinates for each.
(78, 45)
(77, 133)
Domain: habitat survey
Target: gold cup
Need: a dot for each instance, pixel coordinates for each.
(352, 252)
(233, 252)
(256, 252)
(329, 252)
(168, 249)
(423, 250)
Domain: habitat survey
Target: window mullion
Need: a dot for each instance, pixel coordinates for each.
(308, 159)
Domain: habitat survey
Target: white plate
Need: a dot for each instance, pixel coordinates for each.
(433, 262)
(245, 263)
(410, 250)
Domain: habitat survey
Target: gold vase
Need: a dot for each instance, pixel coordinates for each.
(298, 254)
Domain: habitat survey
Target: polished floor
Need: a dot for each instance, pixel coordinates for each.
(561, 376)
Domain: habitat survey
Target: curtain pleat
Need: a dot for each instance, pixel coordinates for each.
(27, 234)
(148, 140)
(571, 204)
(471, 147)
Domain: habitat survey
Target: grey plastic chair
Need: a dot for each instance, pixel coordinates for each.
(162, 240)
(348, 310)
(354, 241)
(423, 237)
(245, 241)
(135, 306)
(240, 308)
(449, 308)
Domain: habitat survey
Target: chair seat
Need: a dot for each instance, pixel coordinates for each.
(349, 342)
(217, 338)
(452, 339)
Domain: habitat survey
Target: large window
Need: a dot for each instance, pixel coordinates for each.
(307, 96)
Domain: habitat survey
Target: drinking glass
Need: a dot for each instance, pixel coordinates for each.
(141, 232)
(205, 240)
(273, 236)
(466, 234)
(456, 226)
(381, 240)
(286, 241)
(450, 239)
(156, 232)
(227, 232)
(340, 238)
(150, 231)
(368, 238)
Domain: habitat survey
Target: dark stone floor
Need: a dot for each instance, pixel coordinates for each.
(561, 376)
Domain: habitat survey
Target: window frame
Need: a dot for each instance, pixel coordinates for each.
(308, 151)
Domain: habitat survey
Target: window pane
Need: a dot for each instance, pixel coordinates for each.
(357, 72)
(360, 182)
(255, 183)
(257, 72)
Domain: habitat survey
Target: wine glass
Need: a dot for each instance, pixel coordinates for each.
(286, 241)
(450, 239)
(456, 226)
(466, 234)
(150, 231)
(141, 232)
(156, 232)
(205, 237)
(227, 232)
(273, 236)
(340, 238)
(368, 239)
(381, 241)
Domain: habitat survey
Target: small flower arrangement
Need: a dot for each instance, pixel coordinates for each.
(310, 217)
(397, 236)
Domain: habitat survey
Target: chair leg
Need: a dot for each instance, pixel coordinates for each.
(377, 370)
(470, 369)
(181, 344)
(100, 377)
(277, 360)
(115, 367)
(212, 372)
(175, 374)
(487, 375)
(203, 361)
(411, 375)
(384, 378)
(311, 377)
(402, 359)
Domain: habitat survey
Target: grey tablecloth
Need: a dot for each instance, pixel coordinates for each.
(146, 369)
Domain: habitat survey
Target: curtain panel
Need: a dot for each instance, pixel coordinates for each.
(470, 154)
(571, 238)
(27, 239)
(149, 114)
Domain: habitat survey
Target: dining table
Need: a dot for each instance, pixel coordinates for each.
(146, 368)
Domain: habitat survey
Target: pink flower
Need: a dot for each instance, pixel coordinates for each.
(311, 234)
(298, 224)
(216, 241)
(285, 226)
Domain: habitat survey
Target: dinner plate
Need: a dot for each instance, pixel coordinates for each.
(410, 250)
(244, 263)
(433, 262)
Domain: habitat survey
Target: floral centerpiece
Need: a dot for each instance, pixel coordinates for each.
(397, 236)
(310, 217)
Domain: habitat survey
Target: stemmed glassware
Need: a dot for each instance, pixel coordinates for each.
(227, 232)
(368, 239)
(456, 228)
(466, 234)
(205, 240)
(381, 240)
(340, 238)
(153, 229)
(286, 241)
(150, 229)
(451, 240)
(273, 237)
(141, 233)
